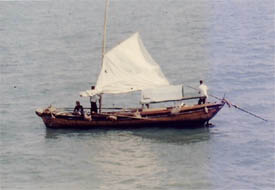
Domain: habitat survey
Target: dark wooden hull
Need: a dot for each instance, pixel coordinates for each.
(184, 117)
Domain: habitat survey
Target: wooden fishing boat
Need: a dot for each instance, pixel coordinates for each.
(182, 116)
(129, 67)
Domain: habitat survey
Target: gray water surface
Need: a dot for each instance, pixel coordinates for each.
(51, 50)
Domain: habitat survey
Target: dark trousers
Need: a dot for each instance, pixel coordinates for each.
(93, 107)
(202, 100)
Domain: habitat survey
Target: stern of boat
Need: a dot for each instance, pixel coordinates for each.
(39, 112)
(47, 115)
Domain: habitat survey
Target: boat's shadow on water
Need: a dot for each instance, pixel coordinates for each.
(153, 134)
(174, 135)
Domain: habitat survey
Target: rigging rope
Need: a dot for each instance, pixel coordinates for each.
(230, 104)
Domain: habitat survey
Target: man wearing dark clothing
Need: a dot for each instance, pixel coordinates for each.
(78, 110)
(93, 107)
(93, 100)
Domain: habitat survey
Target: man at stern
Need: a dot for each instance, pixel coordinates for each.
(203, 93)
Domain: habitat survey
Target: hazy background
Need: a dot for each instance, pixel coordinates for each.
(51, 50)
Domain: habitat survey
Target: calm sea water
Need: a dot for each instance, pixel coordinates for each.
(50, 50)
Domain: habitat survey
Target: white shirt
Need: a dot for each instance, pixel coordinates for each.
(203, 90)
(94, 98)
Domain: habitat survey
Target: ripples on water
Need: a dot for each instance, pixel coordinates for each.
(49, 51)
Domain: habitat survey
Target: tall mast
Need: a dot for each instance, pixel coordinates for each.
(104, 32)
(104, 44)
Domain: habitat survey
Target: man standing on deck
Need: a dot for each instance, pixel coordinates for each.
(203, 92)
(93, 100)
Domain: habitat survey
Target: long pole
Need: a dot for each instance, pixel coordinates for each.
(230, 104)
(104, 32)
(104, 44)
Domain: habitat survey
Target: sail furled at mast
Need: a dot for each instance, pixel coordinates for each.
(129, 67)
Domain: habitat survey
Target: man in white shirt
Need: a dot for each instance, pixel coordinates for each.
(93, 100)
(203, 92)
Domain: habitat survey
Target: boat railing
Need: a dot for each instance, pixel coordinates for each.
(70, 109)
(181, 99)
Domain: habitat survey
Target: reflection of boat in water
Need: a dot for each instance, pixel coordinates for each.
(174, 136)
(165, 135)
(129, 67)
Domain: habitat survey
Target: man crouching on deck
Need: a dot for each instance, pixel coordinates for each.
(78, 110)
(203, 92)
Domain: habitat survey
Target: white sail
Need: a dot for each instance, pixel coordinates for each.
(128, 67)
(163, 93)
